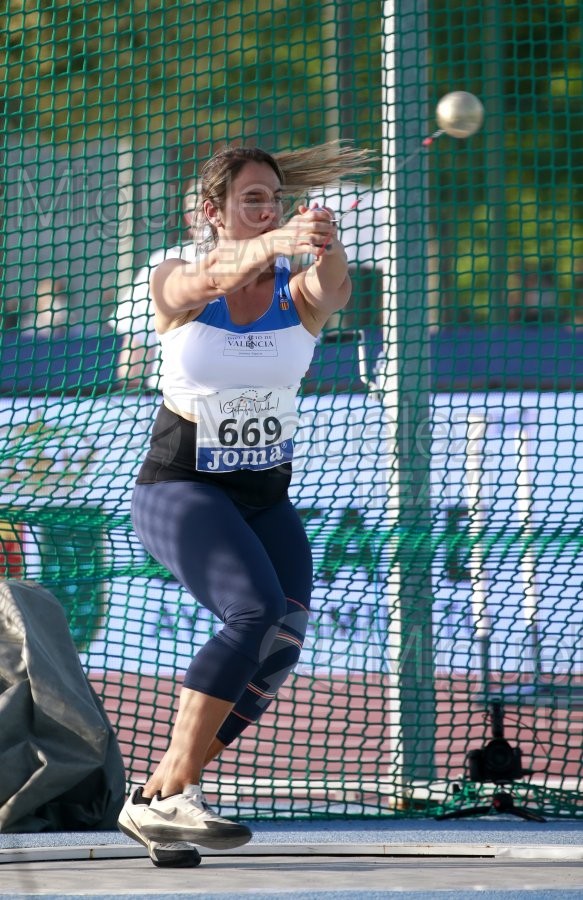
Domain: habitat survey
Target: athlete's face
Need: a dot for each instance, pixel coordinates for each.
(254, 202)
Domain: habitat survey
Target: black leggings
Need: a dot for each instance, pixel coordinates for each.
(252, 568)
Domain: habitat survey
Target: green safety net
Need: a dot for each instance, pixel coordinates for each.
(438, 471)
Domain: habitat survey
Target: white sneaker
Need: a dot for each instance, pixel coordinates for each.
(185, 817)
(179, 854)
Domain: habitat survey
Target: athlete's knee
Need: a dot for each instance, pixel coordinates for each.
(278, 661)
(254, 625)
(284, 652)
(290, 632)
(287, 632)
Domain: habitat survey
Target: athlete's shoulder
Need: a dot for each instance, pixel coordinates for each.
(187, 252)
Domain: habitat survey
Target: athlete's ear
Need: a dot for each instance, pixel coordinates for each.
(212, 213)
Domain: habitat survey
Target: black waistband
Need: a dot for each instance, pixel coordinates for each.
(172, 454)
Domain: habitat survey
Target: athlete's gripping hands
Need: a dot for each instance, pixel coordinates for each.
(237, 327)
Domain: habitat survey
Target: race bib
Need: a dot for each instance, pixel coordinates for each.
(245, 428)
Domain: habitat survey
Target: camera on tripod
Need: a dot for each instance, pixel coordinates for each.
(496, 761)
(500, 763)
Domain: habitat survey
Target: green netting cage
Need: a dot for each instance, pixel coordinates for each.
(438, 468)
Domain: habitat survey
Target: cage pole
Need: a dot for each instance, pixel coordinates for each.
(527, 558)
(125, 216)
(404, 377)
(474, 465)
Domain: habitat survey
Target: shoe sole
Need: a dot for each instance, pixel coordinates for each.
(214, 839)
(164, 859)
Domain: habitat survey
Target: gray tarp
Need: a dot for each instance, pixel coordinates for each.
(60, 764)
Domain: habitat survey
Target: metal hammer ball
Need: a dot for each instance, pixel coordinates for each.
(460, 114)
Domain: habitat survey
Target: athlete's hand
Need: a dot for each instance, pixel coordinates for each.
(309, 231)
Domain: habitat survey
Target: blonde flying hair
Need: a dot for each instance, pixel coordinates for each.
(315, 167)
(299, 172)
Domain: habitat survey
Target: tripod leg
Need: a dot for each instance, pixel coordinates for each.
(525, 814)
(465, 813)
(503, 802)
